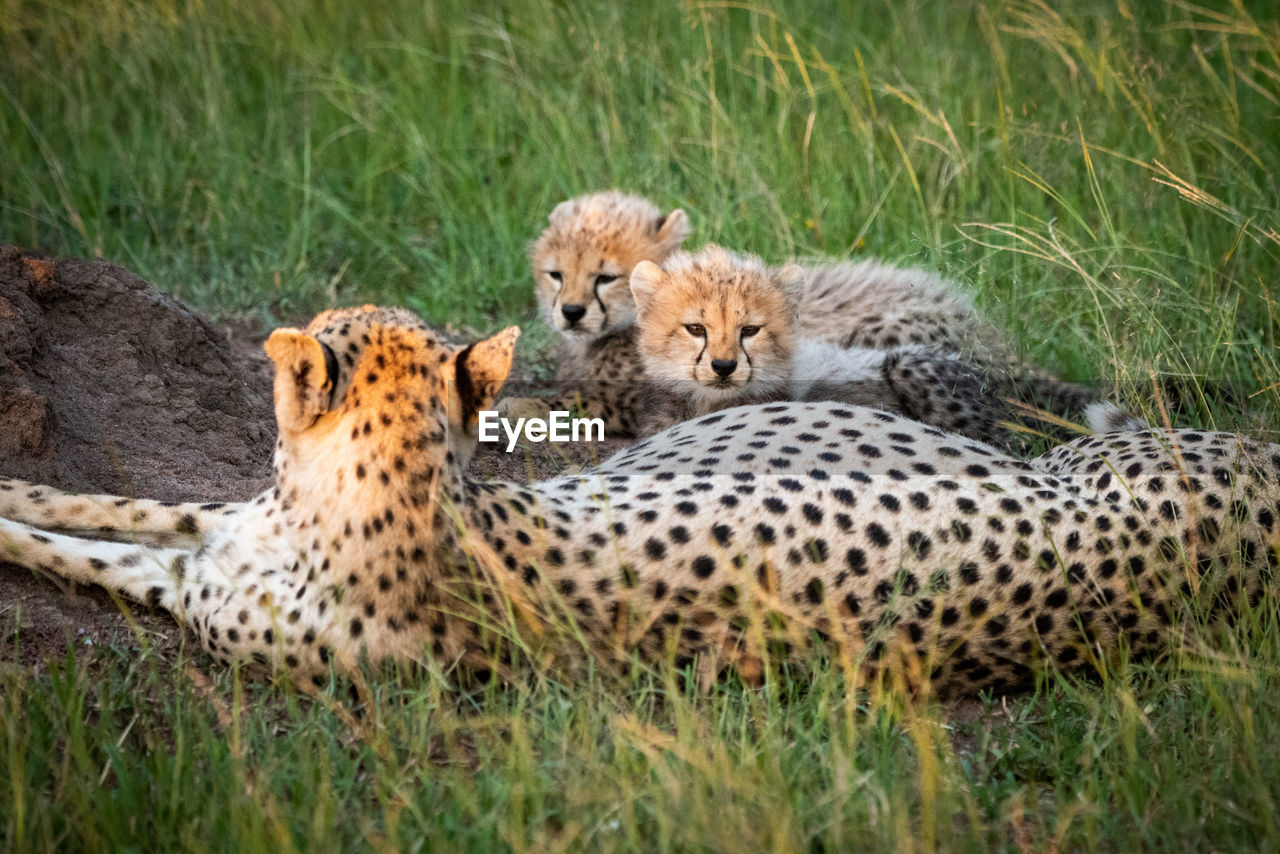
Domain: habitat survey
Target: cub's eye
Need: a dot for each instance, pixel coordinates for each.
(556, 277)
(697, 330)
(748, 331)
(605, 279)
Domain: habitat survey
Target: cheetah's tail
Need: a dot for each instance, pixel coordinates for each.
(1072, 401)
(1106, 417)
(141, 573)
(156, 522)
(1045, 391)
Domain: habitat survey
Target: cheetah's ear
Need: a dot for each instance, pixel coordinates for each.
(646, 281)
(481, 369)
(562, 212)
(672, 230)
(305, 374)
(790, 280)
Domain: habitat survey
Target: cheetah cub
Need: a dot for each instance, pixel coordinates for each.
(718, 329)
(581, 265)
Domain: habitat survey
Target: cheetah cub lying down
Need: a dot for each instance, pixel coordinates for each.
(736, 540)
(717, 329)
(583, 259)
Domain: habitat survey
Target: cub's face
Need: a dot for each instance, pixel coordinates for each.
(716, 325)
(582, 261)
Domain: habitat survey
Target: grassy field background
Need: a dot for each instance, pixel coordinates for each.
(1101, 172)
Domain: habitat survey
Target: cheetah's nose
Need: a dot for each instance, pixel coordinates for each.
(573, 313)
(724, 367)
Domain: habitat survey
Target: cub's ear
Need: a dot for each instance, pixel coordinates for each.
(562, 212)
(671, 230)
(481, 369)
(646, 281)
(790, 280)
(306, 371)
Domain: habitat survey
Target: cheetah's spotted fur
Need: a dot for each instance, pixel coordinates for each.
(735, 538)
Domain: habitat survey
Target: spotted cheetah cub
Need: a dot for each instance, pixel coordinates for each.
(718, 329)
(581, 265)
(750, 536)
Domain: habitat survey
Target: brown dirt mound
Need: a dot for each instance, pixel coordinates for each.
(107, 384)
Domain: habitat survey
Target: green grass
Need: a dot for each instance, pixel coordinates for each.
(1102, 173)
(120, 752)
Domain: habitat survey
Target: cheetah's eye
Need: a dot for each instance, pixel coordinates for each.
(556, 277)
(605, 279)
(697, 330)
(748, 331)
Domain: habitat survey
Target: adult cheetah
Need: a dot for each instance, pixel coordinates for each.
(733, 540)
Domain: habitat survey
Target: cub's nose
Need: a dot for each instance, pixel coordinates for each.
(573, 313)
(724, 367)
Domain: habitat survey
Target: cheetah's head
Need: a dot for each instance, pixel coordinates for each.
(583, 259)
(374, 390)
(716, 325)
